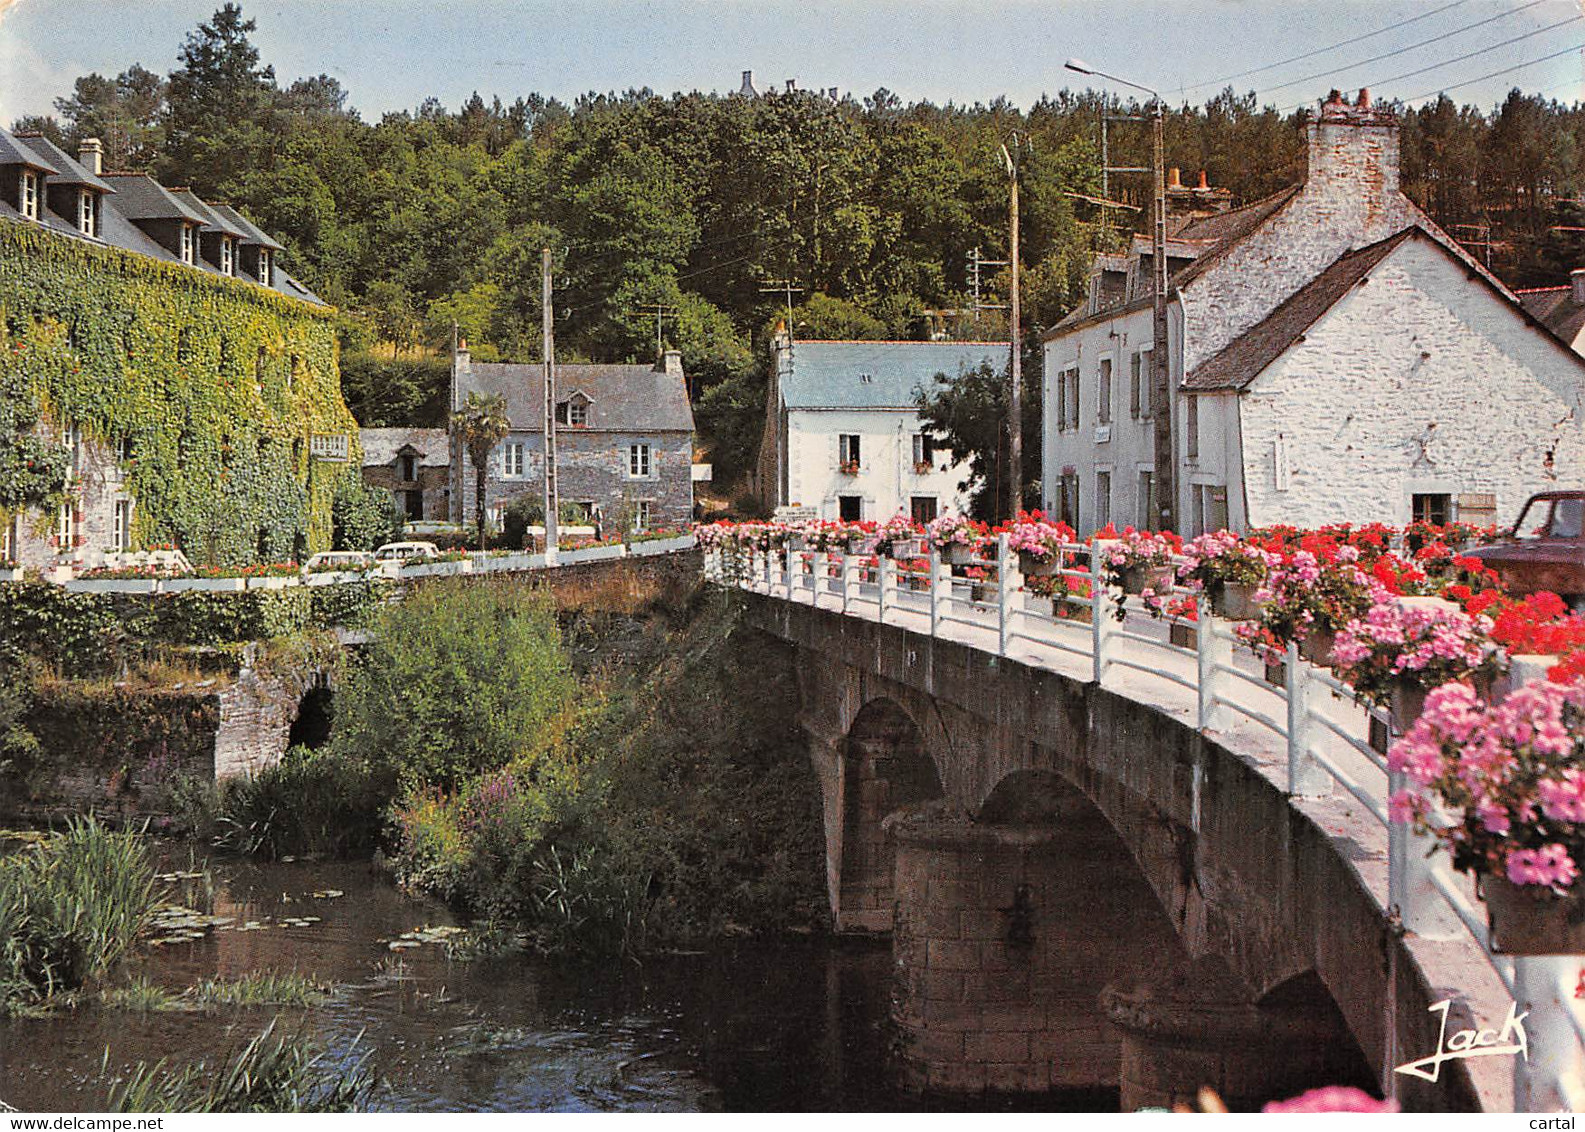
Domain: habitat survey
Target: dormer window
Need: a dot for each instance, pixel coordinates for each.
(577, 412)
(187, 244)
(264, 267)
(87, 213)
(227, 263)
(30, 194)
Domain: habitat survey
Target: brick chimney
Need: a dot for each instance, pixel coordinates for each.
(1353, 153)
(91, 155)
(1576, 282)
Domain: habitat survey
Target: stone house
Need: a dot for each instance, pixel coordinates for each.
(1332, 356)
(843, 433)
(1562, 309)
(73, 200)
(624, 440)
(414, 465)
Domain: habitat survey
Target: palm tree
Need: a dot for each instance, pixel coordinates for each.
(481, 425)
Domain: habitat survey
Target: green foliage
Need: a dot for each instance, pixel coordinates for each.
(480, 426)
(363, 517)
(386, 392)
(18, 745)
(212, 385)
(70, 907)
(458, 679)
(322, 802)
(270, 1074)
(967, 413)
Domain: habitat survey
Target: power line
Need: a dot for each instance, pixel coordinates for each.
(1462, 58)
(1496, 74)
(1324, 50)
(1403, 50)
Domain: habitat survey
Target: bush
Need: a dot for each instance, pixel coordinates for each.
(364, 517)
(458, 679)
(70, 907)
(320, 802)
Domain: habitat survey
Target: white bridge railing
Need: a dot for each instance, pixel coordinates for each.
(1331, 742)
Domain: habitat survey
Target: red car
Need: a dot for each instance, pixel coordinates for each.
(1546, 548)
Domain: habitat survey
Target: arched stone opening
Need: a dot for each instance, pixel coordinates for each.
(885, 768)
(315, 713)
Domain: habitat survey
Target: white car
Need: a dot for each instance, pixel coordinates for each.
(406, 551)
(354, 560)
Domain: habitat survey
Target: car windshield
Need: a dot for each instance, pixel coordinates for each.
(1532, 522)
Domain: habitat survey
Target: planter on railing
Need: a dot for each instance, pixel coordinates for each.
(332, 577)
(1036, 566)
(1235, 601)
(905, 549)
(1408, 701)
(1529, 919)
(113, 585)
(1044, 606)
(957, 554)
(1137, 579)
(1316, 646)
(209, 585)
(272, 582)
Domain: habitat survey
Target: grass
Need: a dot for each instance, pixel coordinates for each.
(272, 1073)
(70, 907)
(141, 997)
(258, 988)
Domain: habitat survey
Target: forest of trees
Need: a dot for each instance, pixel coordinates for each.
(695, 202)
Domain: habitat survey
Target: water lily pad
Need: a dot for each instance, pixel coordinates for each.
(402, 944)
(328, 894)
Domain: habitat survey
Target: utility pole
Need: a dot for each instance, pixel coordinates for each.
(779, 287)
(660, 311)
(1160, 383)
(977, 261)
(1015, 423)
(552, 496)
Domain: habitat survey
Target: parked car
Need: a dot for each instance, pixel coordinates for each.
(338, 560)
(406, 551)
(1546, 548)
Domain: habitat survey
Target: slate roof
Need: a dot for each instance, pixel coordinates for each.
(1250, 353)
(1555, 308)
(252, 233)
(67, 170)
(381, 445)
(622, 398)
(213, 221)
(15, 151)
(831, 375)
(141, 197)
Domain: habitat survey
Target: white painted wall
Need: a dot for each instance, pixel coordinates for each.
(1419, 343)
(886, 480)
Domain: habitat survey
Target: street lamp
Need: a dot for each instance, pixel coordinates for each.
(1160, 389)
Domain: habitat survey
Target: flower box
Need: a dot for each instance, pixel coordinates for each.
(437, 569)
(1235, 601)
(332, 578)
(1316, 646)
(592, 554)
(113, 585)
(1034, 566)
(957, 554)
(1043, 606)
(210, 585)
(1137, 579)
(1183, 636)
(272, 582)
(904, 549)
(662, 545)
(11, 574)
(1081, 611)
(1529, 919)
(1408, 701)
(511, 562)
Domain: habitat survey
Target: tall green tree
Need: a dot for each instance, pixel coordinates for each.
(481, 424)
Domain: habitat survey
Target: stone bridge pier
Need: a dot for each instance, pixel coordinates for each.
(1083, 892)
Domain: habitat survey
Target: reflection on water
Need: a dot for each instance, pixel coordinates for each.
(770, 1026)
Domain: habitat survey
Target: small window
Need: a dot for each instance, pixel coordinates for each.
(227, 266)
(87, 212)
(1103, 393)
(124, 451)
(1146, 519)
(577, 412)
(74, 444)
(848, 451)
(1073, 397)
(187, 244)
(1068, 502)
(66, 527)
(291, 371)
(1103, 498)
(122, 536)
(1135, 385)
(408, 471)
(641, 515)
(1060, 401)
(511, 461)
(1438, 509)
(924, 453)
(850, 508)
(30, 194)
(563, 412)
(259, 364)
(638, 463)
(1191, 427)
(266, 277)
(866, 379)
(922, 509)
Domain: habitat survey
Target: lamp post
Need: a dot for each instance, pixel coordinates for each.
(1165, 478)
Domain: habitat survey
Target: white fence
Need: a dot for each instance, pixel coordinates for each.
(1228, 693)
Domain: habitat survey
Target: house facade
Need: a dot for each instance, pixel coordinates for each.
(1332, 355)
(191, 382)
(843, 432)
(624, 440)
(414, 465)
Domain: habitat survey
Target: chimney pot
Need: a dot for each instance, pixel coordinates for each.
(1202, 184)
(1173, 179)
(1576, 279)
(91, 155)
(1364, 98)
(792, 84)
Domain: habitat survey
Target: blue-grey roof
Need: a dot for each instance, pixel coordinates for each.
(876, 375)
(622, 398)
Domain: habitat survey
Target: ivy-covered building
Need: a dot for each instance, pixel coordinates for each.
(162, 379)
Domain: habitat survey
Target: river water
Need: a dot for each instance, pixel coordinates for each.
(795, 1025)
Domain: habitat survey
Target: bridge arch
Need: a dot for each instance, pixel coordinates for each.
(886, 768)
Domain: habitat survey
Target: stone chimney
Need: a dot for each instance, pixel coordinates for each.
(1174, 178)
(1576, 282)
(91, 155)
(792, 85)
(461, 362)
(1353, 154)
(747, 89)
(671, 363)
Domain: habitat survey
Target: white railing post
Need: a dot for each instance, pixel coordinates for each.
(885, 579)
(1007, 581)
(1100, 608)
(938, 576)
(848, 584)
(819, 565)
(1213, 649)
(1306, 777)
(1544, 1080)
(1411, 892)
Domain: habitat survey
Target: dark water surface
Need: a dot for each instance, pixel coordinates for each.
(774, 1026)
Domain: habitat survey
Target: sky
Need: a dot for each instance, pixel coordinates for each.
(391, 54)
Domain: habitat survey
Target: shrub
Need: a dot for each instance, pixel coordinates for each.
(363, 517)
(322, 802)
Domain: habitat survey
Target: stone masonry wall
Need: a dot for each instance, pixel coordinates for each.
(99, 474)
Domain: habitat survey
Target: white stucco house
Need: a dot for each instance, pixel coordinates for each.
(843, 433)
(1332, 355)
